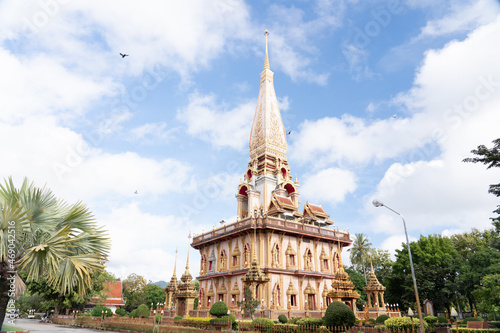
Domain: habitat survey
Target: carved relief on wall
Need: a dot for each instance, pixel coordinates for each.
(247, 255)
(291, 260)
(275, 256)
(308, 260)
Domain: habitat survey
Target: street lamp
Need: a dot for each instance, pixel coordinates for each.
(410, 313)
(377, 203)
(454, 314)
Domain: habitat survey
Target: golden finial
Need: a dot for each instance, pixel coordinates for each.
(187, 262)
(266, 61)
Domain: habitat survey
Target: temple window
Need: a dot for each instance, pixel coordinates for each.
(325, 264)
(210, 265)
(292, 259)
(209, 299)
(293, 300)
(235, 261)
(221, 297)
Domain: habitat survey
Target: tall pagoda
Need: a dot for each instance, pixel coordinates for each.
(288, 257)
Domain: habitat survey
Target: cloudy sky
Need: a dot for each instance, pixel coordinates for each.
(383, 100)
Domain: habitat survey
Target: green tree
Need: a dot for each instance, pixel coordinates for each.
(482, 263)
(491, 158)
(488, 294)
(154, 294)
(133, 291)
(359, 284)
(359, 253)
(47, 237)
(249, 303)
(382, 264)
(436, 263)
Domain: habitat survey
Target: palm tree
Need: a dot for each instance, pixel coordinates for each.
(359, 251)
(46, 237)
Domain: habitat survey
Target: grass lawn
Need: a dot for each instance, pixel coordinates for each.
(11, 328)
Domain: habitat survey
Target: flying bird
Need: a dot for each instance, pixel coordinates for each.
(135, 192)
(394, 116)
(288, 132)
(124, 55)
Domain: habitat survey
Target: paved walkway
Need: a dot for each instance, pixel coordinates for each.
(34, 326)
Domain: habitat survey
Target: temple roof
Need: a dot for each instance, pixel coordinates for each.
(281, 204)
(373, 283)
(113, 294)
(268, 133)
(316, 212)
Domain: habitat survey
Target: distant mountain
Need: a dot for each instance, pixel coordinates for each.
(161, 283)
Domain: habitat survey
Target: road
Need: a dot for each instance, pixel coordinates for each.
(34, 326)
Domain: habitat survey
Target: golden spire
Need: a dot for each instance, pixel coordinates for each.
(187, 263)
(267, 135)
(266, 61)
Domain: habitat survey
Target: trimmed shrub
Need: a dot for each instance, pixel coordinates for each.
(382, 318)
(224, 321)
(133, 314)
(143, 311)
(98, 309)
(219, 309)
(403, 323)
(283, 319)
(121, 312)
(495, 324)
(338, 314)
(442, 320)
(307, 321)
(471, 319)
(262, 321)
(431, 320)
(177, 318)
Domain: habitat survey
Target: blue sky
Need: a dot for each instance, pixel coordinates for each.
(383, 98)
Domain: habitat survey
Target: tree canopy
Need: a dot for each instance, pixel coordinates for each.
(46, 237)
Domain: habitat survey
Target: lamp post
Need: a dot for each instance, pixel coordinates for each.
(410, 313)
(454, 314)
(377, 203)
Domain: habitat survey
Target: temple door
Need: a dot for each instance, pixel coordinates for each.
(311, 300)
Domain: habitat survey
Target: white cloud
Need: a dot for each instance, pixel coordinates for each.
(151, 133)
(457, 89)
(213, 123)
(136, 247)
(462, 17)
(328, 186)
(65, 161)
(354, 140)
(396, 242)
